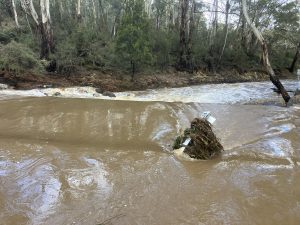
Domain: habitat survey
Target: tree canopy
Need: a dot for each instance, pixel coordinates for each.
(138, 35)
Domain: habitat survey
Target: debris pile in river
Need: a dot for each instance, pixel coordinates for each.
(203, 145)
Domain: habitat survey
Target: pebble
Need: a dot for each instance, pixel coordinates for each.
(109, 94)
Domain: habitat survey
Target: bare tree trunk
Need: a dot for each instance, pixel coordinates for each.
(265, 55)
(29, 24)
(157, 22)
(28, 7)
(34, 13)
(47, 44)
(114, 30)
(78, 10)
(212, 39)
(116, 23)
(148, 4)
(44, 26)
(60, 8)
(173, 15)
(15, 13)
(103, 16)
(94, 12)
(190, 65)
(225, 30)
(293, 66)
(243, 33)
(216, 3)
(182, 64)
(132, 69)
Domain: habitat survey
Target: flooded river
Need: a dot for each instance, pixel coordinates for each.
(98, 161)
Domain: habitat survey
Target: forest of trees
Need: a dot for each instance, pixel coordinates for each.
(132, 36)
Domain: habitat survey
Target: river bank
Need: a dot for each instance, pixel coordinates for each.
(117, 82)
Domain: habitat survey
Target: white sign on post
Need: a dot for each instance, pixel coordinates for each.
(207, 116)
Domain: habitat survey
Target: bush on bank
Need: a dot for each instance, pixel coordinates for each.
(17, 58)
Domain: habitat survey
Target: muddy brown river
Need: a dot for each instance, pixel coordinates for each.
(96, 161)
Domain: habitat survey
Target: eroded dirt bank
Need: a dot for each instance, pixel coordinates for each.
(109, 81)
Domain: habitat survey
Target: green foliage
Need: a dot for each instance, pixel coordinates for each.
(5, 9)
(178, 142)
(66, 57)
(82, 48)
(6, 37)
(284, 37)
(18, 58)
(162, 43)
(150, 41)
(8, 32)
(133, 45)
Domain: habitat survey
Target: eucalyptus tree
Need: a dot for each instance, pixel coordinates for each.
(159, 8)
(117, 7)
(15, 13)
(9, 7)
(43, 24)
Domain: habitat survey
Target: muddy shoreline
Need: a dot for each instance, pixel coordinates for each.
(117, 82)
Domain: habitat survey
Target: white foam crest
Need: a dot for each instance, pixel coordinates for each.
(212, 93)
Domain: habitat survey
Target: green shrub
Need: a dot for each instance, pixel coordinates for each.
(17, 58)
(6, 37)
(82, 48)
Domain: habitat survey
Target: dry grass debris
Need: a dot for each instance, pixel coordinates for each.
(204, 144)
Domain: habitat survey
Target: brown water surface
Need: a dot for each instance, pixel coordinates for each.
(81, 161)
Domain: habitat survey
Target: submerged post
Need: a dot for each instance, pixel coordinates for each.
(199, 141)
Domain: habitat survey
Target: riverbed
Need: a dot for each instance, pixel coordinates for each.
(82, 158)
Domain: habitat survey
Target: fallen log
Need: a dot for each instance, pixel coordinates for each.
(278, 92)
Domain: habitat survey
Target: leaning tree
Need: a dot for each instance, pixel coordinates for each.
(265, 55)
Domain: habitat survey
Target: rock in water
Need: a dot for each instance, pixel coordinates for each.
(109, 94)
(204, 144)
(3, 86)
(99, 90)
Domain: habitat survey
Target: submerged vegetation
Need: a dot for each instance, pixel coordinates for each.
(143, 36)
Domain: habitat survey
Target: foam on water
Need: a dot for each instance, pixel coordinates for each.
(212, 93)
